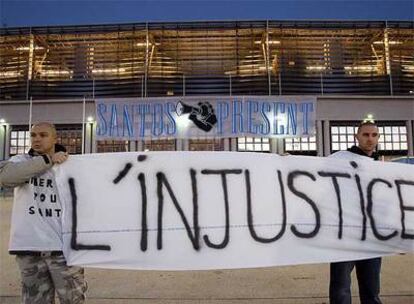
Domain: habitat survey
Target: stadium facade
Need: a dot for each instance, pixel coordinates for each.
(354, 69)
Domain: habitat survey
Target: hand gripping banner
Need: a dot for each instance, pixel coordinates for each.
(211, 210)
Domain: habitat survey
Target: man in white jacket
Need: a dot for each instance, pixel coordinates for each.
(36, 228)
(367, 271)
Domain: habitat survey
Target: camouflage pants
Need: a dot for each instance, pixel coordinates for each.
(42, 276)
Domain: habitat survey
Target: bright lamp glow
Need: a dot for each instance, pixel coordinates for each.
(366, 68)
(56, 72)
(26, 48)
(390, 42)
(369, 118)
(108, 71)
(9, 74)
(270, 42)
(316, 68)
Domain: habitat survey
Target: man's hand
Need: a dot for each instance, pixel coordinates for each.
(59, 157)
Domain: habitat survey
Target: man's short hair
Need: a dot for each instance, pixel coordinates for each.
(46, 124)
(366, 123)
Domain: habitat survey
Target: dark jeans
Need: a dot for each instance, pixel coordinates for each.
(368, 274)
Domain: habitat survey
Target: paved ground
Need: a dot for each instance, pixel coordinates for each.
(277, 285)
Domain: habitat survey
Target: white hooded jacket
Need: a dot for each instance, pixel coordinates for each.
(37, 212)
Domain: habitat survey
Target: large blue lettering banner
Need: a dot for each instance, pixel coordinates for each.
(201, 117)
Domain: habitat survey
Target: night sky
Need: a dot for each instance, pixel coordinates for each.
(20, 13)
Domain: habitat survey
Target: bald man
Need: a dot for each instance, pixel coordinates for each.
(36, 230)
(368, 270)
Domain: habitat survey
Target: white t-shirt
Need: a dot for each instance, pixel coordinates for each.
(37, 212)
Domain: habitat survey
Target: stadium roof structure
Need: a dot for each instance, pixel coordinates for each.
(208, 58)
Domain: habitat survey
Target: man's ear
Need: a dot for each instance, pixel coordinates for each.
(356, 137)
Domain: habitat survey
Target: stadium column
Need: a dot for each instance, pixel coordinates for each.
(273, 145)
(133, 146)
(226, 144)
(140, 145)
(410, 140)
(277, 145)
(233, 144)
(326, 138)
(4, 141)
(182, 144)
(319, 138)
(90, 142)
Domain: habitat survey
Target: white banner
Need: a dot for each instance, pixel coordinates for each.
(209, 210)
(205, 117)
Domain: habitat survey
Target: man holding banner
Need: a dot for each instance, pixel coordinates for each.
(368, 271)
(36, 231)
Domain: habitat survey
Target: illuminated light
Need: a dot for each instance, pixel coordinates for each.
(361, 68)
(253, 56)
(108, 71)
(291, 63)
(391, 42)
(274, 42)
(90, 119)
(263, 68)
(183, 122)
(27, 48)
(316, 68)
(248, 69)
(56, 72)
(270, 42)
(408, 67)
(9, 74)
(144, 44)
(2, 121)
(369, 118)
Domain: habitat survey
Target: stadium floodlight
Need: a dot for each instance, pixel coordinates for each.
(369, 118)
